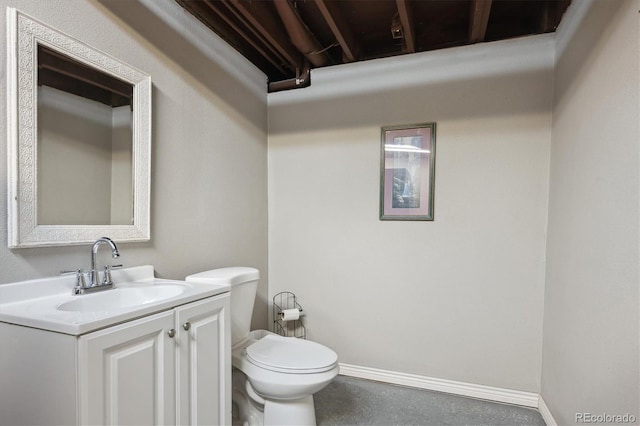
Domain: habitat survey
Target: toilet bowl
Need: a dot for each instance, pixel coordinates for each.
(274, 377)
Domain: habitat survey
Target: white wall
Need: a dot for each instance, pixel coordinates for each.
(590, 356)
(121, 165)
(209, 149)
(74, 139)
(457, 298)
(82, 137)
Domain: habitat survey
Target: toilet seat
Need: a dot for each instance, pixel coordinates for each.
(291, 355)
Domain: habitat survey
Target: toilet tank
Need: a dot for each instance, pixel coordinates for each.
(243, 282)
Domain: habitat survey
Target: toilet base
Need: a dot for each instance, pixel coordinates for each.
(299, 412)
(253, 410)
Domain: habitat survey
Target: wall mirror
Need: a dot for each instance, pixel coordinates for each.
(79, 140)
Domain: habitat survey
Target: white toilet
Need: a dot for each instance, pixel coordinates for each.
(274, 377)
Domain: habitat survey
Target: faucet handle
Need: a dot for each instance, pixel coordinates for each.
(106, 280)
(80, 282)
(78, 273)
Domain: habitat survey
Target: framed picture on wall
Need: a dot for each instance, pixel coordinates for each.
(407, 172)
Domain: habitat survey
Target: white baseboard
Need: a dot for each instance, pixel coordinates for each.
(509, 396)
(546, 413)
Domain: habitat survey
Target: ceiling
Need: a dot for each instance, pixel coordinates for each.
(287, 38)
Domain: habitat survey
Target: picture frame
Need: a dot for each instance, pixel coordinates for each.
(407, 172)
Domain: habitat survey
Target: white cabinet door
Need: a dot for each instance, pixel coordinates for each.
(204, 362)
(127, 373)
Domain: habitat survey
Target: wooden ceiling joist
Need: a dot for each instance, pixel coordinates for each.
(551, 14)
(215, 8)
(340, 29)
(64, 73)
(480, 11)
(408, 27)
(263, 19)
(276, 38)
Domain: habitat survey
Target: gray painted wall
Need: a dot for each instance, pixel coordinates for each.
(590, 347)
(458, 298)
(74, 139)
(209, 149)
(121, 170)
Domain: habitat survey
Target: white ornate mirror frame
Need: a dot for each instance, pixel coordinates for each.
(23, 36)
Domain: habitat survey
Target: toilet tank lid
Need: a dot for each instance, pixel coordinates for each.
(230, 276)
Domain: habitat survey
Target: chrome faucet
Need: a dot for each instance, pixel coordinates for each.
(93, 272)
(93, 276)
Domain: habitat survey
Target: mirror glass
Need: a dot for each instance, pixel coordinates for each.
(84, 129)
(79, 146)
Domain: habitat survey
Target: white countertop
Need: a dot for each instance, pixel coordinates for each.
(35, 303)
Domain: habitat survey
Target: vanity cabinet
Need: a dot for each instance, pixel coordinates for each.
(172, 367)
(126, 373)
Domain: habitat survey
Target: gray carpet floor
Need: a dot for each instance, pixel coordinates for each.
(351, 401)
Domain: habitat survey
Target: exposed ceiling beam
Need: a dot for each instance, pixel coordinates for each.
(277, 39)
(551, 14)
(220, 24)
(55, 66)
(406, 20)
(264, 20)
(480, 11)
(215, 8)
(340, 29)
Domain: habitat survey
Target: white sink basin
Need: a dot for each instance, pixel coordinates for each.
(49, 303)
(119, 298)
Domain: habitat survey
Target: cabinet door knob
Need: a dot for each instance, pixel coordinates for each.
(172, 332)
(186, 325)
